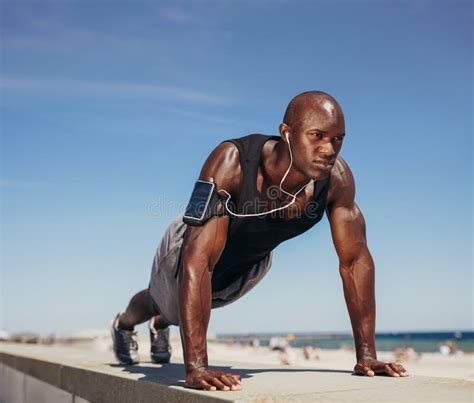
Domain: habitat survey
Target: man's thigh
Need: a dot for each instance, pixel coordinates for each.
(163, 285)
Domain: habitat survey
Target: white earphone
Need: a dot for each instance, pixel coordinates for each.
(293, 196)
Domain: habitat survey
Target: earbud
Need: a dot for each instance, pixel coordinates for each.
(287, 134)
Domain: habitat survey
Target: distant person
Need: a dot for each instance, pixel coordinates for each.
(255, 343)
(230, 342)
(277, 344)
(404, 354)
(444, 349)
(253, 193)
(307, 352)
(450, 347)
(284, 358)
(453, 346)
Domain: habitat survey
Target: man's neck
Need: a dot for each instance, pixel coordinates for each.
(276, 163)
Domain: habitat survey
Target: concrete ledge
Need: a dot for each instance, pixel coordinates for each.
(94, 376)
(95, 386)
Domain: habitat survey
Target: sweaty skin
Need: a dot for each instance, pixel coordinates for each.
(315, 124)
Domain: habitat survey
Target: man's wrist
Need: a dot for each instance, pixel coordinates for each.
(196, 364)
(195, 367)
(365, 352)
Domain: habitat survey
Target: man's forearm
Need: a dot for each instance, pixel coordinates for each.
(358, 279)
(195, 312)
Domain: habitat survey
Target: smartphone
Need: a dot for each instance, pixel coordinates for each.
(198, 205)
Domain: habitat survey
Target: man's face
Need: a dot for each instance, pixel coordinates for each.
(316, 139)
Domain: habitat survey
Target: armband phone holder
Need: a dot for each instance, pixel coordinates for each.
(203, 204)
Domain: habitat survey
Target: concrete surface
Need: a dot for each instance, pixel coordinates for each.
(94, 376)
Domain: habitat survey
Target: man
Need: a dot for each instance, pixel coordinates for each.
(271, 189)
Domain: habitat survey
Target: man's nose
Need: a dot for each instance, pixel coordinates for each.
(327, 150)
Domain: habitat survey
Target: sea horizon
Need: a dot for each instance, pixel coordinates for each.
(420, 341)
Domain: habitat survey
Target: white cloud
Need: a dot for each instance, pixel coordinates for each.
(199, 116)
(175, 14)
(22, 184)
(109, 89)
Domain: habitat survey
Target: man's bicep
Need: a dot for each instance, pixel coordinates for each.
(203, 245)
(346, 220)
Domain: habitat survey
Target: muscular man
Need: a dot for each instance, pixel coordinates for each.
(197, 268)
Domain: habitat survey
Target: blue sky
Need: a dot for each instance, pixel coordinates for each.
(109, 109)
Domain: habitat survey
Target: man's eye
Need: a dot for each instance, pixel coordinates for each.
(338, 138)
(318, 135)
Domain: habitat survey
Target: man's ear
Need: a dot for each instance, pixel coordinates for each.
(284, 128)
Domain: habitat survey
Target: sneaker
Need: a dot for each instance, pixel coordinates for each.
(160, 346)
(125, 344)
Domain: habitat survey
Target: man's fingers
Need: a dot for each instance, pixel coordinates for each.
(217, 383)
(235, 379)
(235, 376)
(387, 369)
(213, 380)
(226, 381)
(399, 369)
(234, 385)
(206, 386)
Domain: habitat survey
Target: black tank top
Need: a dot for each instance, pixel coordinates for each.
(250, 239)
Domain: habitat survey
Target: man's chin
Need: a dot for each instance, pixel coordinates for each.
(320, 174)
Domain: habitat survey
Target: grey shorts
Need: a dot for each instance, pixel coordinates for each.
(164, 281)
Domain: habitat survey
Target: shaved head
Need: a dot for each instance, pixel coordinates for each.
(314, 124)
(317, 102)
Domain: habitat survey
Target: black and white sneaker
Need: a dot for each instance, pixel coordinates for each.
(160, 350)
(125, 344)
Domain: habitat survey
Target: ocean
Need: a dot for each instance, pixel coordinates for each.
(421, 342)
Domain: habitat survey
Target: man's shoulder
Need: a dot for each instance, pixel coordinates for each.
(341, 170)
(223, 165)
(227, 150)
(229, 153)
(342, 183)
(250, 143)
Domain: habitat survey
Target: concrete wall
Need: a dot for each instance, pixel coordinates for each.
(17, 387)
(29, 377)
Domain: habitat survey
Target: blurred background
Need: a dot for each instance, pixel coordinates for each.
(108, 110)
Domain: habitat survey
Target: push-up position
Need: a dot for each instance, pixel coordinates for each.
(253, 193)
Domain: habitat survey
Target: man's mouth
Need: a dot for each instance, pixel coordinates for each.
(324, 165)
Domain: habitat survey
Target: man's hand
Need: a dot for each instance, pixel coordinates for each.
(203, 378)
(371, 367)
